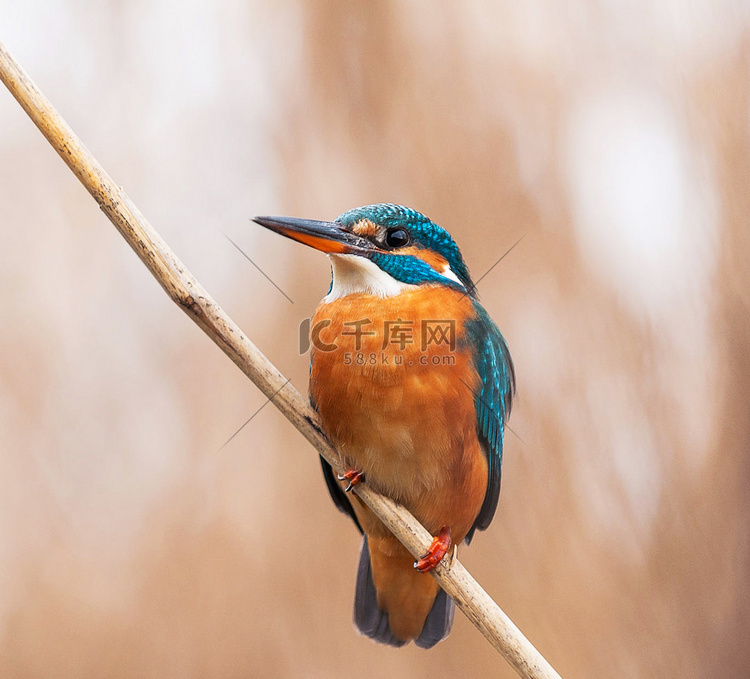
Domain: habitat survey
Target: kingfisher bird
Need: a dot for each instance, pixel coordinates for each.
(413, 383)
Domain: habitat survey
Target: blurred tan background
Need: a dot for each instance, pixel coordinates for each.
(615, 135)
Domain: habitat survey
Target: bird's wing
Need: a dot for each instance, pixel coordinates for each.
(339, 497)
(492, 401)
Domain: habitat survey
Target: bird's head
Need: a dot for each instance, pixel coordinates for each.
(380, 249)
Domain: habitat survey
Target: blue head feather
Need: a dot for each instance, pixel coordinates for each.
(424, 233)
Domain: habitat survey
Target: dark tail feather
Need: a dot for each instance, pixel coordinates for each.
(373, 623)
(368, 618)
(439, 621)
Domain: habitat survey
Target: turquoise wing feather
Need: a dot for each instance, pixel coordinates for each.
(493, 402)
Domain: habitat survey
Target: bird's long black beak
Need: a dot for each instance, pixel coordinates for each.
(328, 237)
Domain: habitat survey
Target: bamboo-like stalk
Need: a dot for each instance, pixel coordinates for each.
(195, 301)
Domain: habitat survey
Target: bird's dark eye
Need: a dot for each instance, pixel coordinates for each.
(396, 238)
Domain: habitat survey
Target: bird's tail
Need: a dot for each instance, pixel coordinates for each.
(373, 622)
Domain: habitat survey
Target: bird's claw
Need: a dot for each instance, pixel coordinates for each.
(352, 476)
(441, 543)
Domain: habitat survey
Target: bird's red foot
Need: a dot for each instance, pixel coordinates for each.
(353, 477)
(441, 543)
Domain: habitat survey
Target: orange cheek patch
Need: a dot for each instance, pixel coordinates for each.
(436, 261)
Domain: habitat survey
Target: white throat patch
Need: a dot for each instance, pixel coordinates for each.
(352, 273)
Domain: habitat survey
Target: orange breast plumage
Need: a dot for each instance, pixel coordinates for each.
(393, 380)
